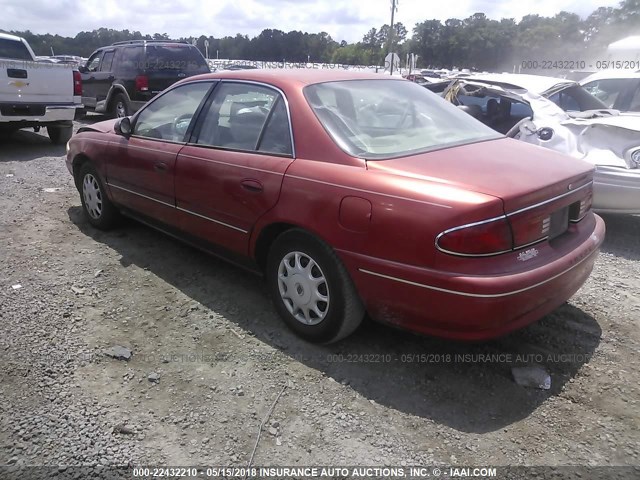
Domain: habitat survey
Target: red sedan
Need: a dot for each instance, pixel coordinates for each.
(351, 193)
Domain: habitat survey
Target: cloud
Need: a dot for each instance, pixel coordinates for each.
(344, 19)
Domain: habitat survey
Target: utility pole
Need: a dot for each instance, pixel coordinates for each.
(394, 7)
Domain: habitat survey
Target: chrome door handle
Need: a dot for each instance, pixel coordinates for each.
(252, 185)
(160, 167)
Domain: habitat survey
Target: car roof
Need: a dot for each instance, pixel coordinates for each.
(297, 76)
(150, 42)
(532, 83)
(6, 36)
(610, 74)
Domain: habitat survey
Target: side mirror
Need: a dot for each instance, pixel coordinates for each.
(123, 126)
(82, 69)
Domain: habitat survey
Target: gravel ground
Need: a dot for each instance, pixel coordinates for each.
(210, 358)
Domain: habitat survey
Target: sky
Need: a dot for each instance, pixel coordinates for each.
(343, 19)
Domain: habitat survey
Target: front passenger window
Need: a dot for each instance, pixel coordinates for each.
(168, 117)
(94, 62)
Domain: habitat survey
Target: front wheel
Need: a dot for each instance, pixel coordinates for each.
(119, 106)
(311, 288)
(99, 210)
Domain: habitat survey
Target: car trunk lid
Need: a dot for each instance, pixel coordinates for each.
(513, 171)
(543, 192)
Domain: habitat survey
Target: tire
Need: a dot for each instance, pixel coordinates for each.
(98, 209)
(337, 309)
(60, 134)
(119, 106)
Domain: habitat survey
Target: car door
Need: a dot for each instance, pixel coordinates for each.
(231, 171)
(141, 170)
(103, 78)
(88, 75)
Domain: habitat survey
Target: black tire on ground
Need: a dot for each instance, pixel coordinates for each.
(60, 134)
(98, 209)
(119, 106)
(301, 270)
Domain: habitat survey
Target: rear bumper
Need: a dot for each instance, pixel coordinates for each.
(471, 307)
(32, 115)
(616, 190)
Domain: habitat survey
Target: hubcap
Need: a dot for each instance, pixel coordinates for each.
(92, 196)
(303, 288)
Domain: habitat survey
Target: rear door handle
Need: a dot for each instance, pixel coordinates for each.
(252, 185)
(160, 167)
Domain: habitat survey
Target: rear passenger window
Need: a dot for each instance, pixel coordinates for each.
(237, 119)
(107, 61)
(276, 137)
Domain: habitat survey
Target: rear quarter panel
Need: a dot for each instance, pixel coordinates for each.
(404, 217)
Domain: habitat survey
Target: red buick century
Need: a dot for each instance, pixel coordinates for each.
(351, 193)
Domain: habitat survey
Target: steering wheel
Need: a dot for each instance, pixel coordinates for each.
(181, 124)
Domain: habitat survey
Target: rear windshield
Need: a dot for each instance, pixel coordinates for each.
(14, 50)
(175, 57)
(386, 118)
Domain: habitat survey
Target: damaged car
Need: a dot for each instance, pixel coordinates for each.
(561, 115)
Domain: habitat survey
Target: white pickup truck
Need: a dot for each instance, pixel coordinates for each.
(35, 94)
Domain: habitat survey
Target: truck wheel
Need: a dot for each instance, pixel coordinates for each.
(60, 134)
(119, 106)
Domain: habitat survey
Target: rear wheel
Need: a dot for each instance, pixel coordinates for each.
(119, 106)
(99, 210)
(60, 134)
(311, 288)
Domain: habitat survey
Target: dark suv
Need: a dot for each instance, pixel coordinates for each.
(122, 77)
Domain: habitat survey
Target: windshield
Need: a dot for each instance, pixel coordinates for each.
(574, 98)
(386, 118)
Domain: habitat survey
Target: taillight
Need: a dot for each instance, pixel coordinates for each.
(490, 237)
(579, 209)
(530, 227)
(77, 83)
(142, 83)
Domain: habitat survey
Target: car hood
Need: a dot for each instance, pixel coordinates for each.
(103, 127)
(519, 174)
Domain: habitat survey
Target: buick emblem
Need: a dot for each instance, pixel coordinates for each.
(570, 186)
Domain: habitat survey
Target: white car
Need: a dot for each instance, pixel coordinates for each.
(36, 94)
(619, 89)
(561, 115)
